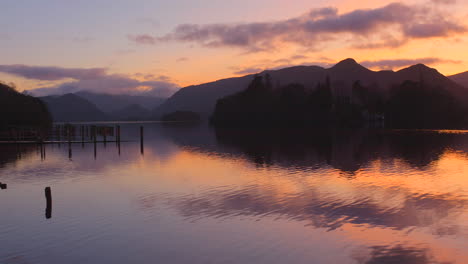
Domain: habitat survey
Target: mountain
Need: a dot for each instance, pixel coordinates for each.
(133, 112)
(17, 109)
(202, 98)
(73, 108)
(110, 103)
(461, 79)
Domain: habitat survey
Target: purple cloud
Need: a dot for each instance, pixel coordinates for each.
(444, 2)
(52, 73)
(182, 59)
(143, 39)
(247, 71)
(112, 84)
(368, 27)
(96, 79)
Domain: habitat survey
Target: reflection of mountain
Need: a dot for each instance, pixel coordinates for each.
(318, 207)
(347, 150)
(202, 98)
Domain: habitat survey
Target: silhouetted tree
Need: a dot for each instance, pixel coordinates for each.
(409, 105)
(414, 105)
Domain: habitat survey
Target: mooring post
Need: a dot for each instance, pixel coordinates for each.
(94, 134)
(48, 195)
(117, 133)
(42, 151)
(141, 140)
(69, 135)
(104, 134)
(95, 149)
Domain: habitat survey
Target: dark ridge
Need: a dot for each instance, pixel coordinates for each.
(19, 110)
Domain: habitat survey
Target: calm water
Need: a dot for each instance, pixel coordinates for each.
(198, 195)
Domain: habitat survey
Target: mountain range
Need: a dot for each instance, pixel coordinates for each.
(89, 106)
(202, 98)
(461, 78)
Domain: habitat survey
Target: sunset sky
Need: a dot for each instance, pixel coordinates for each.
(157, 46)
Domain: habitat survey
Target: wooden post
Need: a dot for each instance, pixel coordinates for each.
(48, 195)
(59, 138)
(82, 136)
(141, 140)
(42, 151)
(117, 133)
(69, 135)
(94, 133)
(104, 132)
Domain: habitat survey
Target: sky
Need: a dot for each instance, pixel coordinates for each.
(155, 47)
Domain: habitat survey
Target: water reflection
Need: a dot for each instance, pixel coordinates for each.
(347, 150)
(395, 254)
(240, 196)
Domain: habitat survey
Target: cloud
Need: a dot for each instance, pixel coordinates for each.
(143, 39)
(96, 80)
(52, 73)
(444, 2)
(83, 39)
(371, 27)
(248, 71)
(112, 84)
(182, 59)
(398, 63)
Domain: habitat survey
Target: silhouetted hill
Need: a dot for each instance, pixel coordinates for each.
(132, 112)
(202, 98)
(110, 103)
(17, 109)
(407, 105)
(461, 79)
(73, 108)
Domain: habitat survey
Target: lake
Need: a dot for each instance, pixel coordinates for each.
(203, 195)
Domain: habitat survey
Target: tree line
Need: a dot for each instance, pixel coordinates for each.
(408, 105)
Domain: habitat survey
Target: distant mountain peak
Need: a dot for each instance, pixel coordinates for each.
(421, 68)
(348, 64)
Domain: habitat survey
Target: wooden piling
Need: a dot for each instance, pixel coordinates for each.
(141, 140)
(117, 135)
(48, 195)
